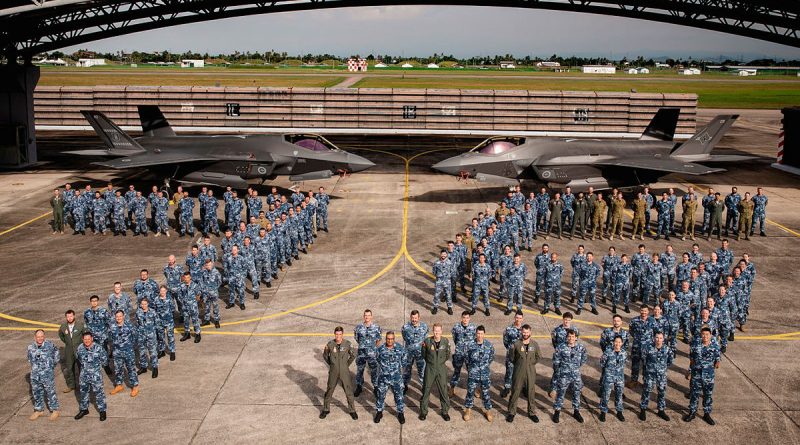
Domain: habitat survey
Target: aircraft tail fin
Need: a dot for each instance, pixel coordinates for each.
(662, 126)
(118, 142)
(153, 121)
(702, 142)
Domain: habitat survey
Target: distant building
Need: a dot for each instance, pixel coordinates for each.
(91, 62)
(599, 69)
(638, 71)
(354, 64)
(507, 65)
(690, 72)
(662, 65)
(747, 72)
(548, 64)
(433, 65)
(380, 65)
(56, 62)
(192, 63)
(407, 65)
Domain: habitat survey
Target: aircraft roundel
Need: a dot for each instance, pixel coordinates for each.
(262, 170)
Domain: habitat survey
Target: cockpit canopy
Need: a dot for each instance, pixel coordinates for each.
(311, 142)
(498, 145)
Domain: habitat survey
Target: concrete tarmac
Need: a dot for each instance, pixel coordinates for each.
(261, 375)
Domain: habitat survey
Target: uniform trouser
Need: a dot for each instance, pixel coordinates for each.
(472, 383)
(99, 223)
(561, 386)
(58, 221)
(509, 371)
(591, 292)
(529, 384)
(480, 288)
(44, 388)
(607, 285)
(597, 225)
(579, 220)
(553, 296)
(443, 288)
(746, 225)
(428, 382)
(688, 225)
(125, 362)
(334, 380)
(364, 359)
(541, 286)
(187, 225)
(459, 360)
(724, 331)
(210, 223)
(699, 386)
(413, 356)
(92, 382)
(80, 222)
(637, 227)
(211, 306)
(148, 351)
(637, 360)
(514, 297)
(453, 280)
(264, 270)
(672, 336)
(542, 219)
(621, 293)
(576, 283)
(605, 394)
(760, 221)
(153, 216)
(555, 223)
(166, 334)
(663, 226)
(568, 218)
(616, 225)
(650, 294)
(731, 221)
(293, 240)
(255, 277)
(672, 221)
(514, 235)
(669, 281)
(71, 370)
(322, 218)
(191, 315)
(236, 289)
(396, 384)
(743, 305)
(161, 223)
(141, 225)
(716, 223)
(647, 220)
(660, 383)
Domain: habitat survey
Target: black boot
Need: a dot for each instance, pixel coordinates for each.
(155, 373)
(357, 392)
(602, 417)
(577, 415)
(378, 417)
(557, 311)
(401, 418)
(556, 416)
(102, 416)
(504, 393)
(197, 338)
(643, 415)
(142, 371)
(323, 414)
(663, 415)
(708, 419)
(216, 324)
(185, 336)
(255, 296)
(689, 417)
(620, 416)
(172, 356)
(269, 283)
(354, 415)
(81, 414)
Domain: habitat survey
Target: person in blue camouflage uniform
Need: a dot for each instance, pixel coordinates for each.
(147, 323)
(207, 251)
(263, 252)
(152, 198)
(706, 203)
(612, 365)
(209, 221)
(668, 262)
(442, 270)
(414, 333)
(609, 262)
(660, 322)
(211, 281)
(160, 207)
(43, 357)
(479, 356)
(651, 280)
(641, 329)
(695, 256)
(616, 330)
(191, 291)
(686, 299)
(760, 202)
(295, 230)
(119, 300)
(88, 204)
(552, 293)
(138, 205)
(391, 359)
(227, 198)
(91, 358)
(683, 271)
(639, 262)
(515, 276)
(714, 269)
(590, 271)
(323, 201)
(123, 340)
(367, 335)
(663, 208)
(281, 242)
(226, 245)
(699, 292)
(463, 335)
(657, 360)
(674, 311)
(567, 361)
(542, 203)
(248, 252)
(234, 211)
(559, 338)
(727, 317)
(97, 320)
(704, 360)
(252, 228)
(480, 283)
(514, 225)
(99, 210)
(145, 288)
(460, 250)
(130, 195)
(732, 211)
(702, 322)
(503, 264)
(649, 202)
(510, 336)
(541, 262)
(254, 204)
(164, 306)
(673, 202)
(577, 261)
(194, 262)
(568, 213)
(173, 273)
(69, 195)
(186, 207)
(529, 217)
(237, 268)
(725, 257)
(621, 284)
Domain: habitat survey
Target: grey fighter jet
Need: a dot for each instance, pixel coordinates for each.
(228, 160)
(580, 163)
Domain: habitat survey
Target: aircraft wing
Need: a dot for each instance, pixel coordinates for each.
(151, 159)
(661, 164)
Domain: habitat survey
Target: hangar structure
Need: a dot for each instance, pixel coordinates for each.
(28, 27)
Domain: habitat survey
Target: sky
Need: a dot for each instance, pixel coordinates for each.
(462, 31)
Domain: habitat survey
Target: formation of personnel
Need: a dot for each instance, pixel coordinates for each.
(111, 210)
(645, 345)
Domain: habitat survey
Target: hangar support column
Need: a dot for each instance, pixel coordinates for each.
(17, 129)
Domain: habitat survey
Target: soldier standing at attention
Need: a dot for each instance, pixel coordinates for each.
(732, 214)
(589, 273)
(567, 361)
(91, 358)
(746, 208)
(43, 357)
(581, 209)
(555, 271)
(338, 355)
(689, 208)
(598, 215)
(436, 352)
(650, 200)
(541, 262)
(122, 341)
(639, 210)
(479, 357)
(414, 333)
(480, 284)
(663, 209)
(703, 362)
(367, 335)
(556, 208)
(641, 330)
(656, 362)
(70, 334)
(612, 364)
(510, 336)
(463, 335)
(759, 212)
(391, 359)
(617, 208)
(147, 322)
(524, 356)
(190, 293)
(590, 200)
(57, 203)
(443, 270)
(715, 207)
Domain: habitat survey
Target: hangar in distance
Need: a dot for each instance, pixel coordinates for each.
(221, 160)
(580, 163)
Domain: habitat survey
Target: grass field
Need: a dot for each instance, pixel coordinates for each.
(181, 79)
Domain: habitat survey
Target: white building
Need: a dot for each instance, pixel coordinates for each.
(638, 71)
(192, 63)
(690, 72)
(507, 65)
(407, 65)
(662, 65)
(548, 64)
(380, 65)
(747, 72)
(91, 62)
(433, 65)
(599, 69)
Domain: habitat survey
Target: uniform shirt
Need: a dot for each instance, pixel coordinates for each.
(147, 289)
(609, 334)
(479, 357)
(91, 359)
(414, 335)
(97, 322)
(703, 358)
(612, 364)
(589, 274)
(559, 335)
(391, 361)
(568, 360)
(642, 332)
(463, 337)
(511, 335)
(367, 336)
(119, 303)
(43, 359)
(656, 361)
(122, 337)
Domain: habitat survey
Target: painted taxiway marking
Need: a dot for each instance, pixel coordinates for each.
(25, 223)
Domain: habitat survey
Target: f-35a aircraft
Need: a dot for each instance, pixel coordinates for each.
(580, 163)
(228, 160)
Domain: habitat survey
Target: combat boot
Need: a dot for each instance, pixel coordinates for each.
(620, 416)
(663, 415)
(467, 414)
(185, 336)
(577, 415)
(401, 418)
(54, 415)
(489, 415)
(135, 391)
(689, 417)
(504, 392)
(643, 415)
(197, 338)
(117, 389)
(255, 296)
(36, 415)
(81, 414)
(378, 417)
(155, 373)
(708, 419)
(602, 417)
(172, 356)
(357, 391)
(556, 416)
(509, 418)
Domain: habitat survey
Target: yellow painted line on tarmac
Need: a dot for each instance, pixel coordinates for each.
(26, 321)
(25, 223)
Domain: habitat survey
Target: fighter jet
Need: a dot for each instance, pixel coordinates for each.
(228, 160)
(580, 163)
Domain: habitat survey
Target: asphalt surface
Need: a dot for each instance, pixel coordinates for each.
(261, 376)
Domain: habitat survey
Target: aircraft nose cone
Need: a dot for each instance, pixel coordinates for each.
(451, 166)
(356, 163)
